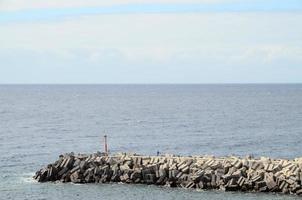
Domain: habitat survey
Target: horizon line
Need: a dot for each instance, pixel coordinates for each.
(251, 83)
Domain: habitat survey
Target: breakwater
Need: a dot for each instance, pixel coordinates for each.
(196, 172)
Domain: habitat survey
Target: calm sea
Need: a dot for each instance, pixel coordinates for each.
(39, 122)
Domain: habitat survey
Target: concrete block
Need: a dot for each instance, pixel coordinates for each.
(126, 176)
(220, 172)
(150, 178)
(198, 175)
(136, 175)
(256, 178)
(260, 184)
(290, 181)
(83, 165)
(139, 161)
(63, 162)
(76, 168)
(271, 184)
(283, 185)
(216, 165)
(174, 173)
(213, 181)
(237, 163)
(263, 189)
(190, 185)
(299, 192)
(75, 177)
(42, 175)
(245, 163)
(241, 181)
(257, 165)
(59, 162)
(230, 188)
(186, 169)
(52, 173)
(124, 167)
(76, 162)
(201, 185)
(162, 173)
(62, 171)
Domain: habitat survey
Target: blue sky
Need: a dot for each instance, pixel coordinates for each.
(132, 41)
(32, 14)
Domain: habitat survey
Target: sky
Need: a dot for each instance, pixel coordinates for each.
(158, 41)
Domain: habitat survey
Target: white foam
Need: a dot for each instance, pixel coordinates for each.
(28, 177)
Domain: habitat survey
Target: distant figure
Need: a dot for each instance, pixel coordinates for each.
(157, 153)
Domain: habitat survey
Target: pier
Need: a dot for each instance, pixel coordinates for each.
(194, 172)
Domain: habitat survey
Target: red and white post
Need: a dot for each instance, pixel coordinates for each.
(105, 145)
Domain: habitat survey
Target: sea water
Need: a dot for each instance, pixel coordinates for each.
(40, 122)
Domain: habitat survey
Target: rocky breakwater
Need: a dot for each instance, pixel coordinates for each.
(228, 174)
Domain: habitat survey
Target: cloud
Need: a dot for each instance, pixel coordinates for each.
(14, 5)
(161, 31)
(207, 47)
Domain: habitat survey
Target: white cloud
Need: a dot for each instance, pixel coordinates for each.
(159, 32)
(231, 46)
(267, 54)
(12, 5)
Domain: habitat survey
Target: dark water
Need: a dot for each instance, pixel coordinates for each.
(37, 123)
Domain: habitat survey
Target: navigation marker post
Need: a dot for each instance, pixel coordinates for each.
(105, 145)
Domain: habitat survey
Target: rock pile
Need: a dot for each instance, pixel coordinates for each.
(229, 174)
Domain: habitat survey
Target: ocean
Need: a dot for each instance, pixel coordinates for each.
(40, 122)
